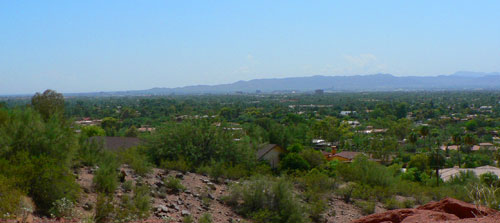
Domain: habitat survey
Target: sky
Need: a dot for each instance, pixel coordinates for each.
(92, 46)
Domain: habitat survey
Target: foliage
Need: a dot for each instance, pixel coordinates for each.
(367, 207)
(137, 159)
(106, 177)
(174, 184)
(48, 104)
(293, 161)
(62, 208)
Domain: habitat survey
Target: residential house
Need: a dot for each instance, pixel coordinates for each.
(271, 153)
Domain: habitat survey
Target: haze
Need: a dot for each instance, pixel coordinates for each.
(84, 46)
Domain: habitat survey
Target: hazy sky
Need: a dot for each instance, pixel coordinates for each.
(81, 46)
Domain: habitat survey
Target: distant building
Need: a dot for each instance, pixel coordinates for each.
(319, 92)
(271, 153)
(346, 113)
(116, 143)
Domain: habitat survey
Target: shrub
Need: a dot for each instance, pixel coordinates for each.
(104, 208)
(313, 157)
(489, 179)
(174, 184)
(137, 159)
(293, 161)
(367, 207)
(262, 197)
(346, 191)
(188, 219)
(205, 218)
(365, 171)
(127, 186)
(63, 208)
(10, 199)
(106, 177)
(392, 204)
(179, 165)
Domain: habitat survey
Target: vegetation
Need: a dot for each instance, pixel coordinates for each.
(404, 141)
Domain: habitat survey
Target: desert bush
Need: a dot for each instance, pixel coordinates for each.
(127, 186)
(205, 218)
(263, 195)
(484, 195)
(63, 208)
(367, 207)
(392, 203)
(365, 171)
(106, 176)
(179, 165)
(137, 159)
(187, 219)
(136, 207)
(174, 184)
(104, 210)
(10, 199)
(346, 191)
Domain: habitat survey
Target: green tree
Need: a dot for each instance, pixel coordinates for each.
(49, 103)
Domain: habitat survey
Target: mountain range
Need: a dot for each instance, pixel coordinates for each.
(373, 82)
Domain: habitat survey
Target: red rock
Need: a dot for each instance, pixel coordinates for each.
(446, 210)
(459, 208)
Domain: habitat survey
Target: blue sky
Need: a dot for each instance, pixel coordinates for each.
(82, 46)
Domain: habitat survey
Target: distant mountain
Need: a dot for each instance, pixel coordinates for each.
(462, 80)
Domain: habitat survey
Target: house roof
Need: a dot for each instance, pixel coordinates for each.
(116, 143)
(347, 154)
(265, 149)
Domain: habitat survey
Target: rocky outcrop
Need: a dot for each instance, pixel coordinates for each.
(446, 210)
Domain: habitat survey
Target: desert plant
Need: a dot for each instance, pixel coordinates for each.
(174, 184)
(367, 207)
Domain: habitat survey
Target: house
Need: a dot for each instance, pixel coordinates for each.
(116, 143)
(271, 153)
(346, 113)
(448, 173)
(344, 156)
(484, 146)
(450, 147)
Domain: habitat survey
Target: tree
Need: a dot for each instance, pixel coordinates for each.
(293, 161)
(48, 104)
(436, 161)
(131, 132)
(110, 125)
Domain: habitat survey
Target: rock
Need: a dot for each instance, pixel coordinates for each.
(459, 208)
(161, 208)
(185, 213)
(210, 196)
(187, 191)
(205, 181)
(174, 206)
(448, 210)
(211, 185)
(179, 176)
(87, 206)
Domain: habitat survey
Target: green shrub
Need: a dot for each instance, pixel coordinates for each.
(137, 159)
(392, 203)
(346, 191)
(135, 208)
(127, 186)
(10, 201)
(104, 210)
(262, 197)
(179, 165)
(174, 184)
(205, 218)
(63, 208)
(187, 219)
(367, 207)
(106, 176)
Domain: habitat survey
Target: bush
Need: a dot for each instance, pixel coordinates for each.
(137, 207)
(205, 218)
(104, 208)
(10, 201)
(365, 171)
(137, 159)
(63, 208)
(106, 177)
(174, 184)
(346, 191)
(263, 197)
(179, 165)
(127, 186)
(392, 203)
(367, 207)
(292, 162)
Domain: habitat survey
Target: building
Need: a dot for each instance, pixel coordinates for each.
(271, 153)
(450, 147)
(116, 143)
(346, 113)
(448, 173)
(319, 92)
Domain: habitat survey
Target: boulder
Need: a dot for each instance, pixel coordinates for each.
(446, 210)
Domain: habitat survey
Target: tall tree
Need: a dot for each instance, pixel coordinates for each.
(48, 104)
